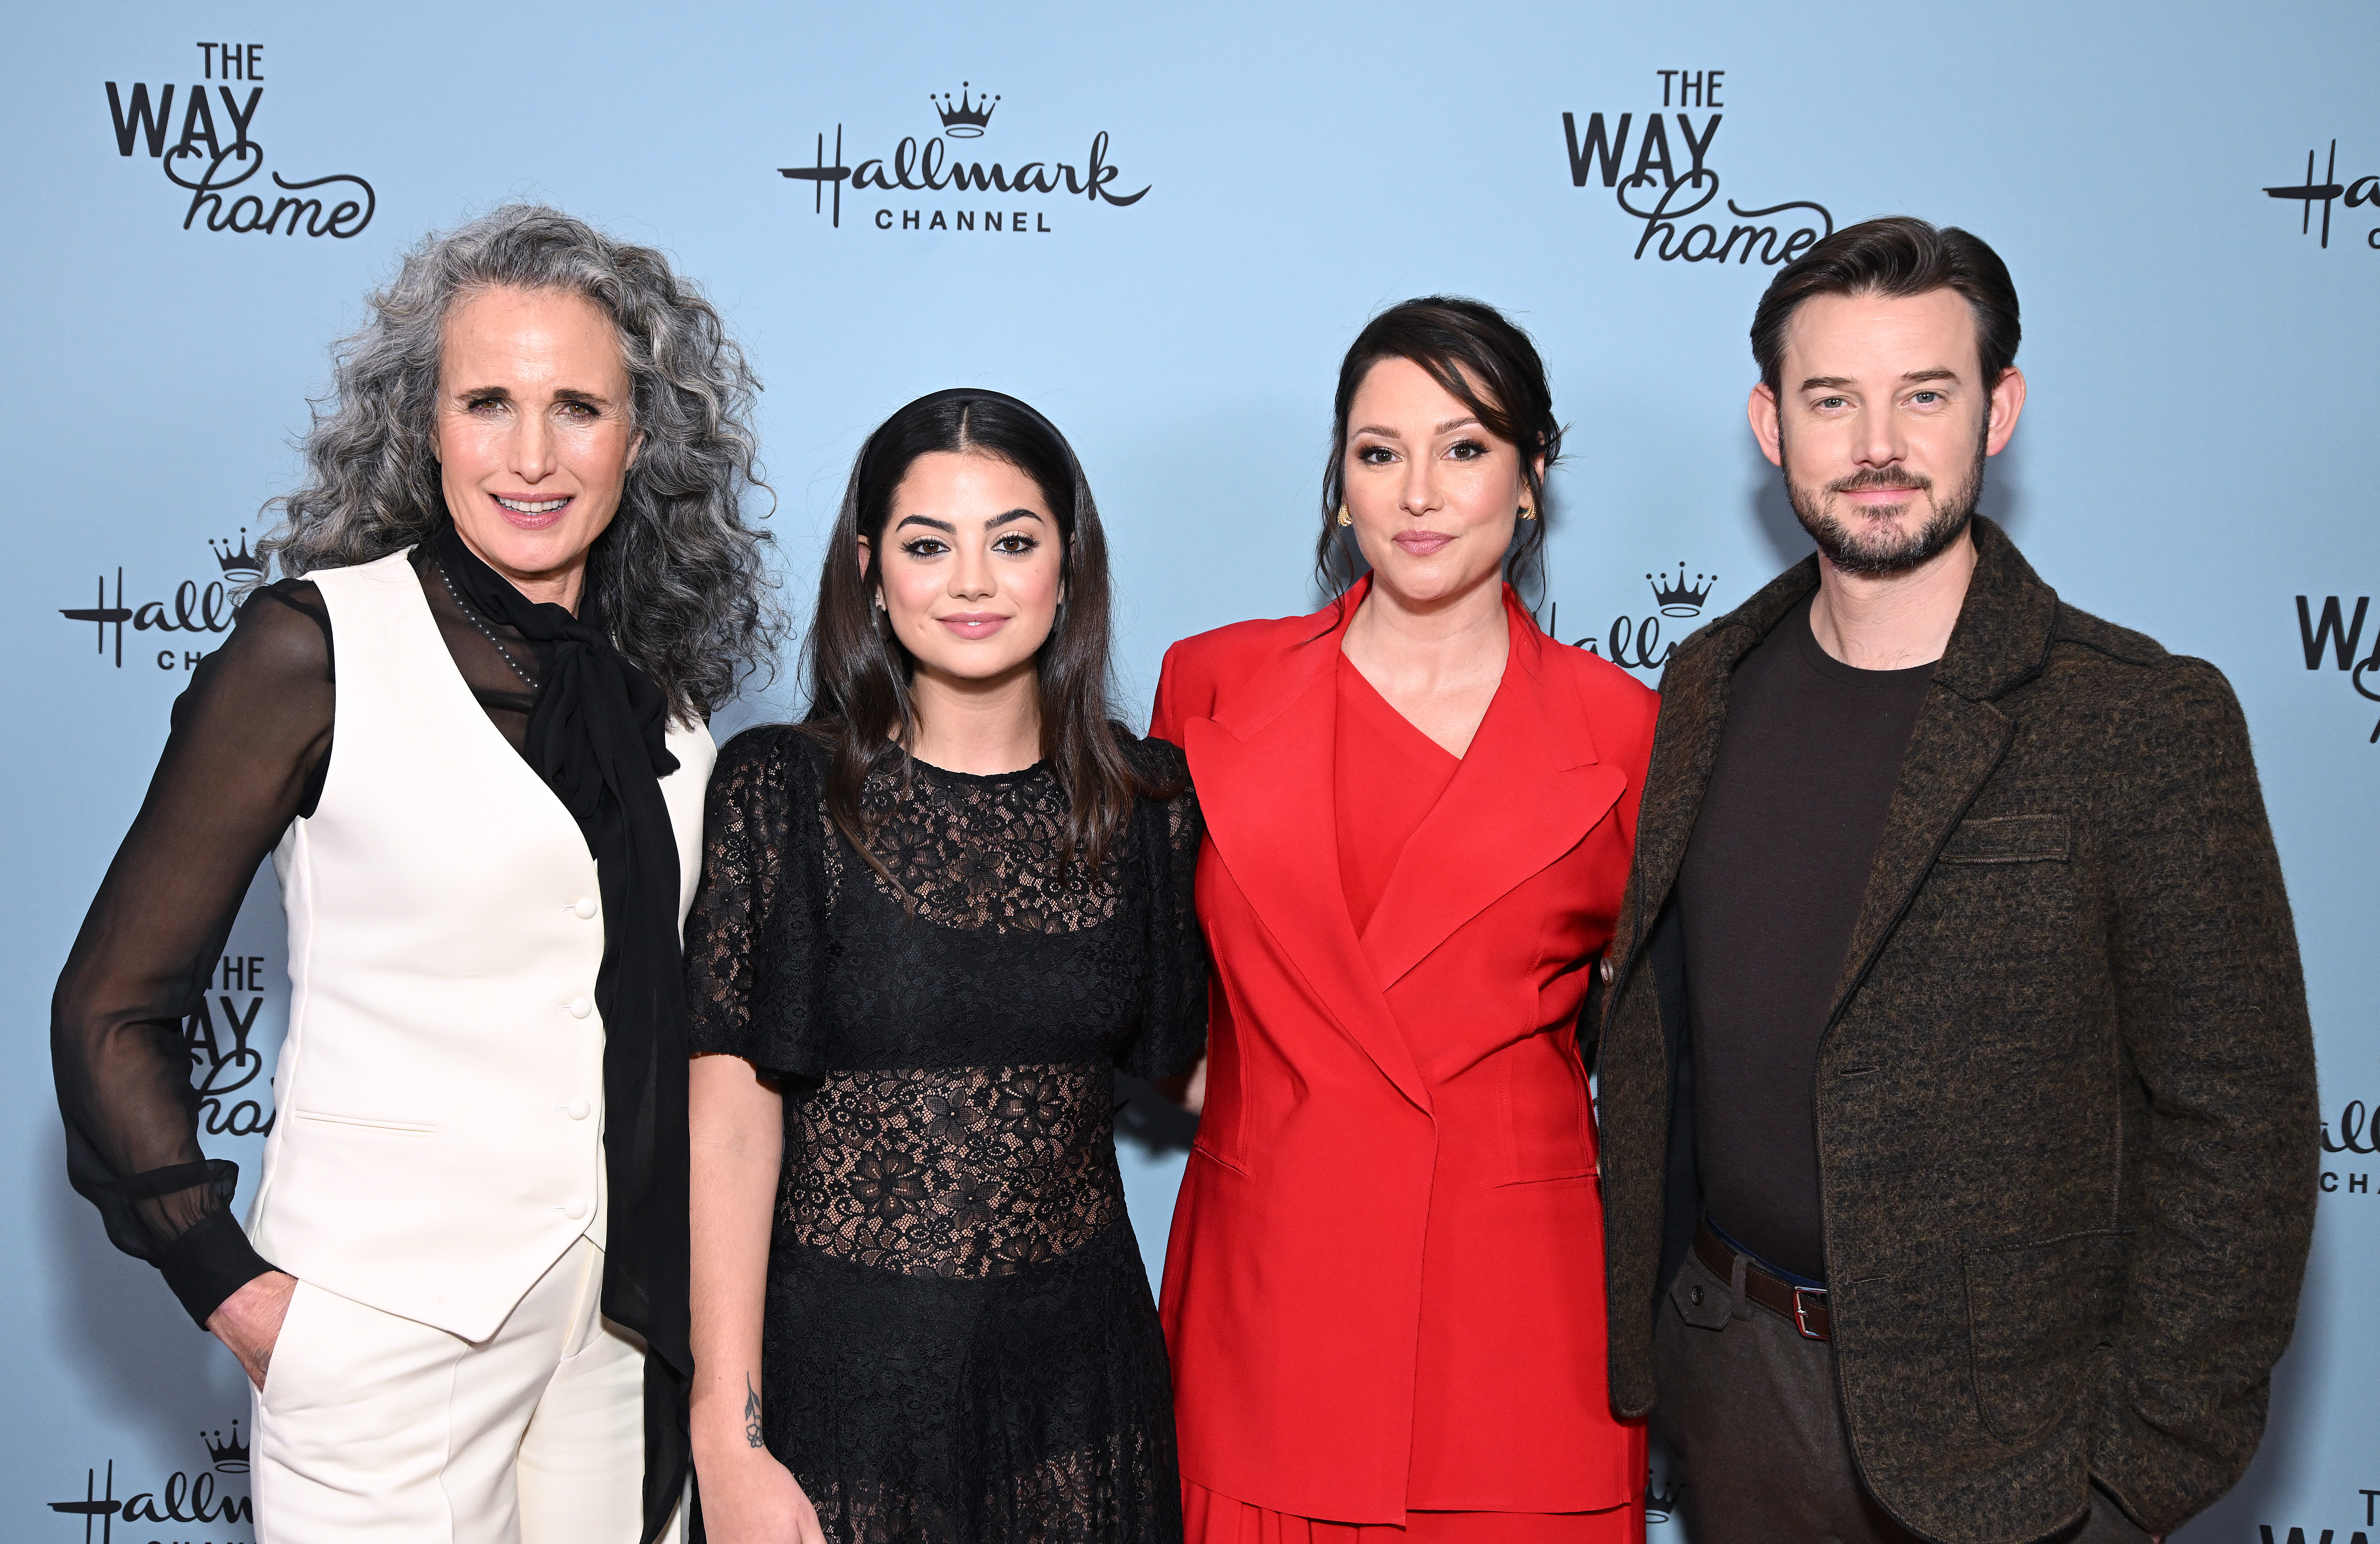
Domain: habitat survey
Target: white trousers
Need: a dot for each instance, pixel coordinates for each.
(373, 1427)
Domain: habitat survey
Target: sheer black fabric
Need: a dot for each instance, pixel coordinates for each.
(959, 1345)
(248, 748)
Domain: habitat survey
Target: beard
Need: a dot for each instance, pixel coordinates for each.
(1881, 551)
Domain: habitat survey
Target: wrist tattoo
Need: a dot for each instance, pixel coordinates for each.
(751, 1413)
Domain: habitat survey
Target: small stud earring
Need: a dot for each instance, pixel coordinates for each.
(1344, 518)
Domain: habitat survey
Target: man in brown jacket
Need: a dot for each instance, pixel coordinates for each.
(1957, 1087)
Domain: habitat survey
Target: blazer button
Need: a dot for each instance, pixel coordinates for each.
(574, 1209)
(579, 1007)
(1605, 970)
(579, 1109)
(585, 908)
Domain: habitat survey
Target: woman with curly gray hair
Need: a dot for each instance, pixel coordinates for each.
(517, 581)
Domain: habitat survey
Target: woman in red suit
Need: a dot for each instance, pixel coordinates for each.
(1383, 1295)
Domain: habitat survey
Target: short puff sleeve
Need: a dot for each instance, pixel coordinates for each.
(1167, 834)
(751, 937)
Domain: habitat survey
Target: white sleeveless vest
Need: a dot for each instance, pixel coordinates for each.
(439, 1141)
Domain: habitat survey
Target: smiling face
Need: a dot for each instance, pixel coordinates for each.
(1432, 494)
(534, 433)
(1883, 425)
(971, 572)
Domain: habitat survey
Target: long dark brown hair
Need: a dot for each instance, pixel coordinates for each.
(1486, 363)
(858, 673)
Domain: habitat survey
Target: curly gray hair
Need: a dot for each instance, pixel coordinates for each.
(678, 577)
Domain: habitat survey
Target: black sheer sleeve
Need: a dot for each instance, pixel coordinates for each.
(1172, 1033)
(750, 939)
(250, 742)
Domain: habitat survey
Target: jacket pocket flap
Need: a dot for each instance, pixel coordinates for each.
(2037, 1316)
(2008, 839)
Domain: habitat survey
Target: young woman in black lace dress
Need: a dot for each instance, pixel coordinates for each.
(933, 919)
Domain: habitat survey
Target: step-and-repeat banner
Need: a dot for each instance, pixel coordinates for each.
(1162, 225)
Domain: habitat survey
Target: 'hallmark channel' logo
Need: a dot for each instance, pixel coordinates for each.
(2356, 1132)
(1635, 642)
(961, 192)
(1671, 180)
(2362, 192)
(212, 155)
(196, 607)
(185, 1498)
(2332, 637)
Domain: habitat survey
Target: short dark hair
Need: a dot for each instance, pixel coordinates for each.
(1898, 255)
(1486, 363)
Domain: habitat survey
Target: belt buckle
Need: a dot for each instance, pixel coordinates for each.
(1804, 1300)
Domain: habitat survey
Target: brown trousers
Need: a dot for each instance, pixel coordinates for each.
(1749, 1408)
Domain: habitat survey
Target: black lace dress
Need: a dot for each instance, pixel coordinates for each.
(959, 1343)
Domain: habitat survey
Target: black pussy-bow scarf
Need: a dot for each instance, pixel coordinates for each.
(597, 735)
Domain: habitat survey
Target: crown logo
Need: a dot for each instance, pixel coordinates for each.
(1682, 598)
(230, 1458)
(243, 564)
(963, 119)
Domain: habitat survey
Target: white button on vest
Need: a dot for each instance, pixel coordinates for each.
(574, 1209)
(578, 1109)
(586, 906)
(579, 1007)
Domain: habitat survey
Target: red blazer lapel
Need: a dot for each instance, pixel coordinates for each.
(1263, 768)
(1529, 789)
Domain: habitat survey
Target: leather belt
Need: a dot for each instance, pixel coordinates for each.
(1807, 1306)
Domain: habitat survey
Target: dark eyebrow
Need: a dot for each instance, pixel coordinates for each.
(928, 520)
(1392, 434)
(1825, 383)
(503, 394)
(1937, 373)
(998, 520)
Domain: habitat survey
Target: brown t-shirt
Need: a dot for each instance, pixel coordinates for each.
(1770, 888)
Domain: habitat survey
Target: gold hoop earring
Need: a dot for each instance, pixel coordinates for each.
(1527, 514)
(1344, 518)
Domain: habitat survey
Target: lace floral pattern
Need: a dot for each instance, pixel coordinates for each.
(959, 1345)
(977, 853)
(1072, 1498)
(972, 1172)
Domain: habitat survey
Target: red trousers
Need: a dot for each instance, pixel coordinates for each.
(1208, 1518)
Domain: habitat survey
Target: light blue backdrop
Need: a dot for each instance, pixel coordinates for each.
(2197, 453)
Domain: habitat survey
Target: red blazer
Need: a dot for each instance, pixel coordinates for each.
(1385, 1281)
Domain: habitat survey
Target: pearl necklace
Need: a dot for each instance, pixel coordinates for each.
(473, 617)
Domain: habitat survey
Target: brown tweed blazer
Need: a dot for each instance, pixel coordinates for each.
(2066, 1098)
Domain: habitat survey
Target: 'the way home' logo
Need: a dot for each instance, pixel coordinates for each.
(1672, 179)
(926, 187)
(2332, 635)
(212, 155)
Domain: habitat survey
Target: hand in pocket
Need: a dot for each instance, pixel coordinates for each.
(249, 1321)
